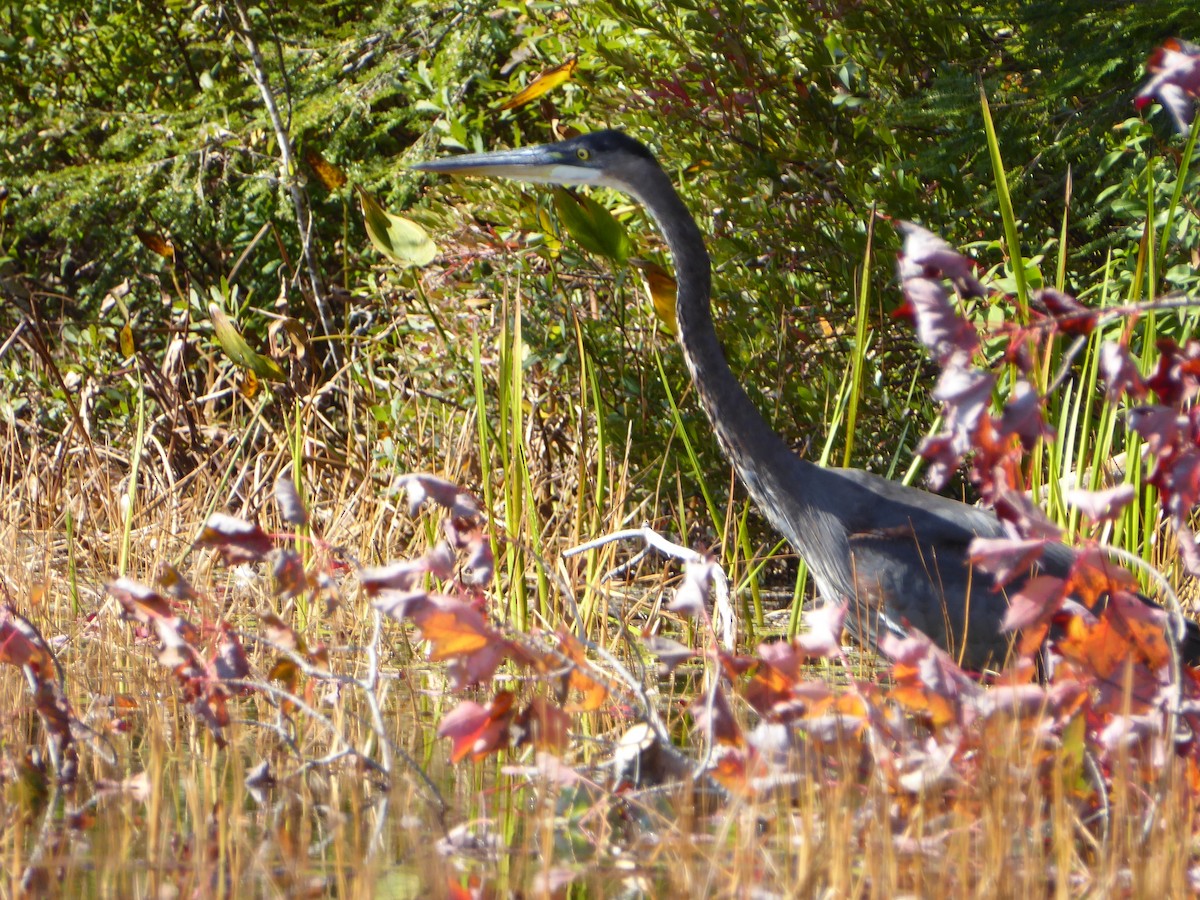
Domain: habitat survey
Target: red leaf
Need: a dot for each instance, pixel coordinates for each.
(939, 326)
(172, 581)
(144, 604)
(280, 634)
(237, 540)
(21, 644)
(1177, 376)
(670, 653)
(1159, 426)
(1071, 316)
(478, 730)
(480, 565)
(939, 451)
(1120, 372)
(1028, 518)
(397, 576)
(288, 571)
(1175, 81)
(823, 638)
(1101, 506)
(1005, 557)
(1035, 603)
(476, 667)
(422, 487)
(400, 605)
(927, 255)
(229, 659)
(544, 725)
(440, 561)
(715, 719)
(967, 394)
(210, 709)
(1024, 416)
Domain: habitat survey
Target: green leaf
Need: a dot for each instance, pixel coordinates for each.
(238, 350)
(592, 226)
(401, 240)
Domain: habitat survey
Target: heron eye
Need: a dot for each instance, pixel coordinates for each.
(583, 153)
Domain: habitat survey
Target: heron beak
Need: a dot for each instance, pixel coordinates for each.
(541, 165)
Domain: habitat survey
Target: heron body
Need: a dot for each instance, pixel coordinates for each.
(899, 553)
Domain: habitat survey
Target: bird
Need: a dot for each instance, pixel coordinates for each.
(899, 554)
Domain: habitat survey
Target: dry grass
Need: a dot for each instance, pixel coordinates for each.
(158, 809)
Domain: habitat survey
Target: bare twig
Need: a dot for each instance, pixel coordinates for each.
(722, 607)
(288, 174)
(368, 686)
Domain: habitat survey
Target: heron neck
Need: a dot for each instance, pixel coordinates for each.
(785, 488)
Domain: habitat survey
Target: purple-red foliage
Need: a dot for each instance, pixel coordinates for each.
(1174, 81)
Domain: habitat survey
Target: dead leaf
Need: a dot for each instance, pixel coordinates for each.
(547, 81)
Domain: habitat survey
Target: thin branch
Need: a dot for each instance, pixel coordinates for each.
(722, 607)
(288, 173)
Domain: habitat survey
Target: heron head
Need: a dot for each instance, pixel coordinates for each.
(599, 158)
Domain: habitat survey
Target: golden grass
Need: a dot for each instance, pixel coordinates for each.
(159, 809)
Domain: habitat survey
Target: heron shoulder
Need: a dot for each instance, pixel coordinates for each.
(932, 516)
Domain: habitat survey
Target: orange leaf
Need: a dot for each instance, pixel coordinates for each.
(155, 243)
(580, 679)
(545, 82)
(1094, 575)
(732, 771)
(453, 628)
(1098, 647)
(917, 699)
(329, 175)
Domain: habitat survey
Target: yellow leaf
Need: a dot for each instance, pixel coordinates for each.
(547, 81)
(399, 239)
(661, 288)
(549, 238)
(127, 346)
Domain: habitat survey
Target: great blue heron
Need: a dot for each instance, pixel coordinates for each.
(900, 553)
